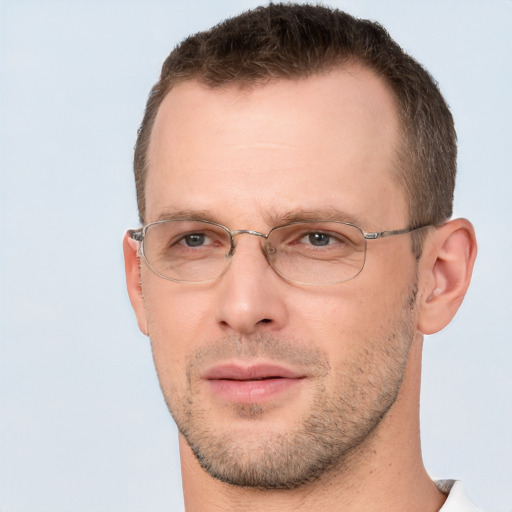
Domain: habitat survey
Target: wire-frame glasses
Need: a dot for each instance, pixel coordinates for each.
(309, 253)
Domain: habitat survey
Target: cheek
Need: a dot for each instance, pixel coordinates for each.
(354, 315)
(175, 321)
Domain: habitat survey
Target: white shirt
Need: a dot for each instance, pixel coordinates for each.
(457, 501)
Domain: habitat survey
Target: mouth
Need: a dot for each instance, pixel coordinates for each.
(251, 384)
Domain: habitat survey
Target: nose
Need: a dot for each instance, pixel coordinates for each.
(250, 295)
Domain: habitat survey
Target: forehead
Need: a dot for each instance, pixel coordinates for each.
(324, 142)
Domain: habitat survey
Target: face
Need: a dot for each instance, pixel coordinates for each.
(273, 384)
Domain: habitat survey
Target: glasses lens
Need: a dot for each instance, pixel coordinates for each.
(185, 250)
(317, 252)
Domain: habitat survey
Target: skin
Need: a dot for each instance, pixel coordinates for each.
(250, 157)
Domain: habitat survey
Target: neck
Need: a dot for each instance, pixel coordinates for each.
(386, 471)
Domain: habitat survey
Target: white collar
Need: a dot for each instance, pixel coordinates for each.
(457, 501)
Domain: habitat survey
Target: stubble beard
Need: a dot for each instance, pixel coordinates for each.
(341, 416)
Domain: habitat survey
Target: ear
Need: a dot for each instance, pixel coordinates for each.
(133, 281)
(445, 270)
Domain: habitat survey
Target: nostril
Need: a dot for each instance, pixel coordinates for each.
(265, 321)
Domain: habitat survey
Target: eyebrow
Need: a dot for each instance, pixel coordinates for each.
(186, 214)
(272, 219)
(302, 215)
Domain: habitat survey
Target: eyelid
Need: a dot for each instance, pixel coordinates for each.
(336, 237)
(213, 237)
(186, 236)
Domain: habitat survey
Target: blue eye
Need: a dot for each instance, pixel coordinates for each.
(194, 239)
(322, 239)
(319, 239)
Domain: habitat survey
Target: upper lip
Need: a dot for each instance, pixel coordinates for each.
(239, 371)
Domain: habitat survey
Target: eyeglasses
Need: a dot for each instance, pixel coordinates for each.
(309, 253)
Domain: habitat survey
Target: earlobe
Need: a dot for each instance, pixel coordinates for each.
(133, 280)
(446, 268)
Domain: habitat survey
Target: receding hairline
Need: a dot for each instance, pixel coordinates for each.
(399, 162)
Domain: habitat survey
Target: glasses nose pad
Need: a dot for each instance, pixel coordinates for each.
(227, 263)
(232, 247)
(270, 252)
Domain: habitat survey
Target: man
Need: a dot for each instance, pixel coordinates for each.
(295, 173)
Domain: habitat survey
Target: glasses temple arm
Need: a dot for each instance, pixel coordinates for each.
(382, 234)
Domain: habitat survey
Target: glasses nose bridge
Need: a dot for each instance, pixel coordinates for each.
(248, 232)
(237, 232)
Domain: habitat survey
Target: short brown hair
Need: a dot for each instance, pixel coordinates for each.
(290, 41)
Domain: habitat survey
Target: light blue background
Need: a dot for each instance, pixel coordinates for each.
(83, 426)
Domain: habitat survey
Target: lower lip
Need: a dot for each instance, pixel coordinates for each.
(251, 391)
